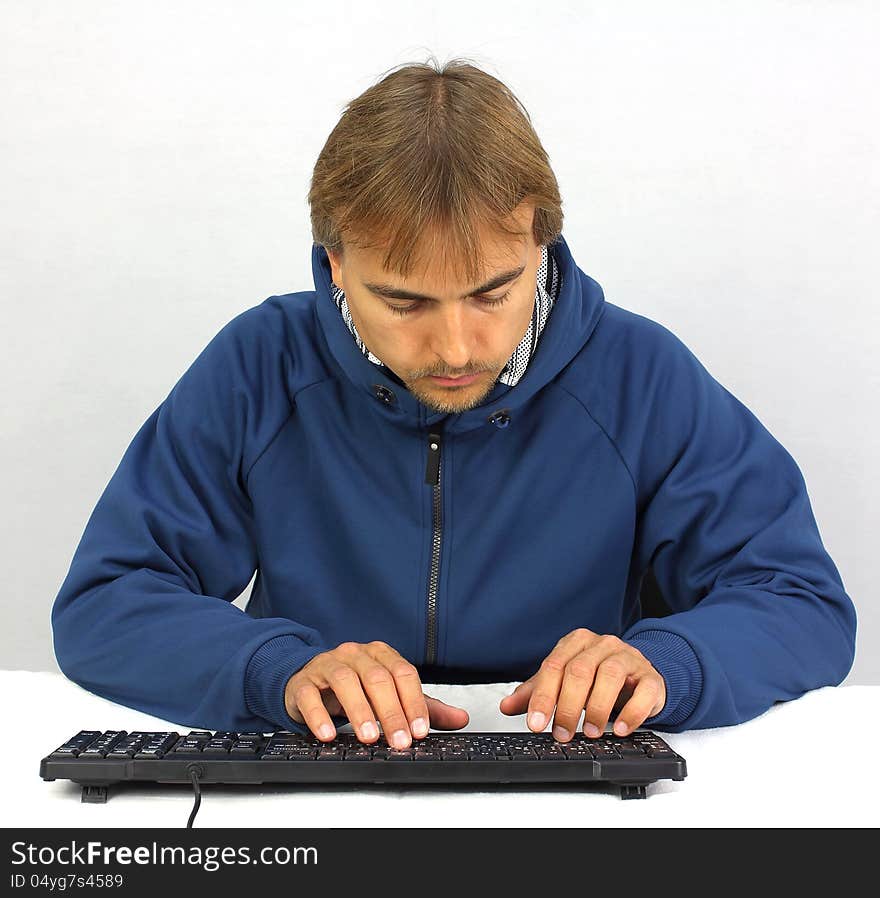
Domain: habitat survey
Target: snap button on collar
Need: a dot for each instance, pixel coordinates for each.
(501, 418)
(384, 394)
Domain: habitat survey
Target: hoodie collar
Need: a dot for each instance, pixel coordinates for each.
(576, 310)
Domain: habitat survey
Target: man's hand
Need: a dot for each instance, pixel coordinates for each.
(612, 674)
(366, 681)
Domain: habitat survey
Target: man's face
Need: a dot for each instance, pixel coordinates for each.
(453, 330)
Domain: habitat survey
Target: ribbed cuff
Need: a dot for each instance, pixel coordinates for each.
(675, 661)
(268, 671)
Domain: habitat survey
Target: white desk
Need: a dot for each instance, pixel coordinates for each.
(764, 772)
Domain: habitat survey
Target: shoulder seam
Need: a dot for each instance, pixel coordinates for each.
(281, 427)
(608, 436)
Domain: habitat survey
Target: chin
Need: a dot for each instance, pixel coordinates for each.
(456, 400)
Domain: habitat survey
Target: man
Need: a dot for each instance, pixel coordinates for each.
(406, 527)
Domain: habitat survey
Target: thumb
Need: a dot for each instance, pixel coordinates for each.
(445, 717)
(518, 700)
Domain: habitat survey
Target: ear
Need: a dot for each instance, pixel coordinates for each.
(336, 268)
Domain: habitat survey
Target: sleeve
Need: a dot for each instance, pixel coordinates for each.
(144, 616)
(759, 611)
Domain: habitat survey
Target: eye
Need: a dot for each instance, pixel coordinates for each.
(485, 300)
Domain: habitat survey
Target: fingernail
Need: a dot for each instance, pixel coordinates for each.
(420, 726)
(369, 731)
(621, 728)
(325, 731)
(400, 739)
(590, 729)
(561, 734)
(537, 721)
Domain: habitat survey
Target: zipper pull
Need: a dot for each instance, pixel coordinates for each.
(435, 442)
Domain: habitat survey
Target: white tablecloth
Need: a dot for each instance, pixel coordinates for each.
(805, 763)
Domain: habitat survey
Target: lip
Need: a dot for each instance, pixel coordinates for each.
(454, 381)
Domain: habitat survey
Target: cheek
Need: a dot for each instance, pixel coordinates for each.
(518, 325)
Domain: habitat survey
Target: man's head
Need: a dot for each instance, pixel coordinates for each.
(433, 183)
(458, 327)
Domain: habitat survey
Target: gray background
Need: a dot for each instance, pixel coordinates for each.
(718, 166)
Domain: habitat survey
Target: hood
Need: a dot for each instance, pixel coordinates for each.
(574, 316)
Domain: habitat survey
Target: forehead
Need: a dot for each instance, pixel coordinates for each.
(437, 267)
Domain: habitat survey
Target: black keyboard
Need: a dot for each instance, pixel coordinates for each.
(96, 760)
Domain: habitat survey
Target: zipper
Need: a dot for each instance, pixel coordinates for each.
(432, 478)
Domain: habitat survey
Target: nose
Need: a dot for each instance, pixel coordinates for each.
(452, 336)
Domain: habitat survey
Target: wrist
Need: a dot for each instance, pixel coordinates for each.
(673, 658)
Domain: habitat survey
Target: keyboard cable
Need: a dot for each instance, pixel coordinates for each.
(195, 771)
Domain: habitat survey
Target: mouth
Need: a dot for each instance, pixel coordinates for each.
(455, 381)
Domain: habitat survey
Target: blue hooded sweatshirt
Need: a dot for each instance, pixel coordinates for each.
(470, 543)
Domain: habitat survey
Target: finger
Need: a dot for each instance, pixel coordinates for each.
(609, 680)
(548, 679)
(379, 685)
(629, 686)
(518, 700)
(444, 716)
(576, 685)
(345, 682)
(640, 706)
(545, 689)
(307, 698)
(408, 686)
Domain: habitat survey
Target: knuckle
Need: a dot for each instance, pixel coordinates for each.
(300, 691)
(364, 714)
(377, 675)
(609, 639)
(403, 669)
(543, 700)
(380, 645)
(394, 719)
(568, 713)
(552, 665)
(650, 686)
(348, 648)
(582, 633)
(342, 674)
(614, 667)
(580, 669)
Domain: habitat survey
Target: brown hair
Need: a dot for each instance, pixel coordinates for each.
(430, 147)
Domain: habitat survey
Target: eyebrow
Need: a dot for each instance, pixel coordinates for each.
(391, 292)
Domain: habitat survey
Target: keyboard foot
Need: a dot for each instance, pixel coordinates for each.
(629, 791)
(94, 794)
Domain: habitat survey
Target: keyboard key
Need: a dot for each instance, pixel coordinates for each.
(522, 751)
(357, 754)
(399, 755)
(104, 743)
(575, 751)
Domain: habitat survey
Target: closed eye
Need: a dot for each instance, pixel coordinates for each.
(485, 300)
